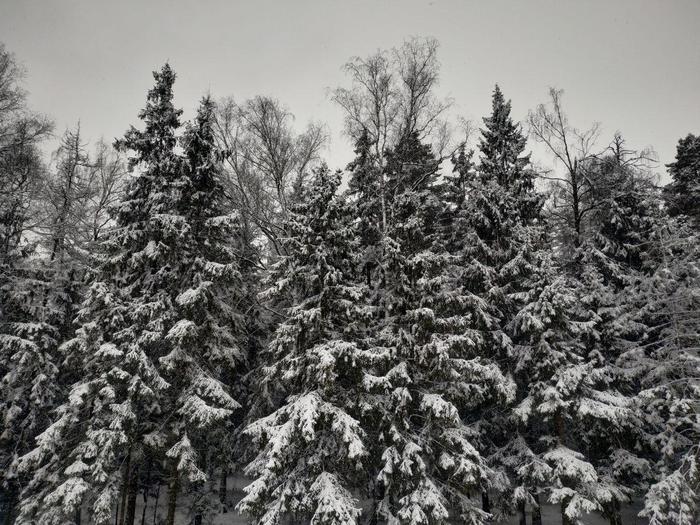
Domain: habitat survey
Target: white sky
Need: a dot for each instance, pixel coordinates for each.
(632, 65)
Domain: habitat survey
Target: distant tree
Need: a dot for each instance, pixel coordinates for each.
(683, 193)
(21, 168)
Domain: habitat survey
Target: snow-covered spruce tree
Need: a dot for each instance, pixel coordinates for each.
(136, 322)
(478, 235)
(503, 160)
(30, 332)
(606, 270)
(491, 209)
(43, 281)
(567, 394)
(91, 453)
(312, 447)
(29, 320)
(206, 340)
(579, 429)
(365, 189)
(683, 193)
(667, 367)
(435, 375)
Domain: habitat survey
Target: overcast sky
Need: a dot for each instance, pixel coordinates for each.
(631, 65)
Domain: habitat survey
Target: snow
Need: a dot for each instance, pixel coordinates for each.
(236, 484)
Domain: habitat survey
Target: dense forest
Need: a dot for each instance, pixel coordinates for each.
(439, 332)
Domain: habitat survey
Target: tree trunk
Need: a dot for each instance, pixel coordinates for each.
(565, 520)
(145, 506)
(223, 488)
(536, 510)
(377, 491)
(10, 505)
(523, 513)
(155, 504)
(132, 492)
(172, 495)
(485, 502)
(613, 513)
(146, 486)
(121, 508)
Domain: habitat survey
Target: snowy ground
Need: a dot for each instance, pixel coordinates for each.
(551, 516)
(156, 516)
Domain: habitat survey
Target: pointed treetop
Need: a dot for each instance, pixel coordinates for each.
(683, 193)
(497, 98)
(161, 120)
(502, 144)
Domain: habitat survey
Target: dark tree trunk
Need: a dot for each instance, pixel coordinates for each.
(132, 492)
(223, 488)
(612, 512)
(485, 502)
(536, 510)
(155, 504)
(146, 486)
(523, 513)
(10, 504)
(121, 507)
(172, 495)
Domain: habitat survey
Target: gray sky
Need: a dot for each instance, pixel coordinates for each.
(632, 65)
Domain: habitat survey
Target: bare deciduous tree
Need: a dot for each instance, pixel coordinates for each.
(21, 167)
(73, 208)
(392, 93)
(591, 176)
(107, 179)
(574, 150)
(267, 161)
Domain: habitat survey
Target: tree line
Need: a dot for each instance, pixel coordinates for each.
(438, 333)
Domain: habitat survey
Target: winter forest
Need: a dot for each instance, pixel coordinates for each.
(201, 322)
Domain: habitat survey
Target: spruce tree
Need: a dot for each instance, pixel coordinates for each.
(91, 453)
(145, 383)
(312, 448)
(607, 268)
(683, 193)
(32, 316)
(566, 395)
(31, 309)
(207, 347)
(666, 366)
(502, 159)
(434, 376)
(365, 189)
(492, 209)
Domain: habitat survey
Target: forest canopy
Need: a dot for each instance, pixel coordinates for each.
(441, 331)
